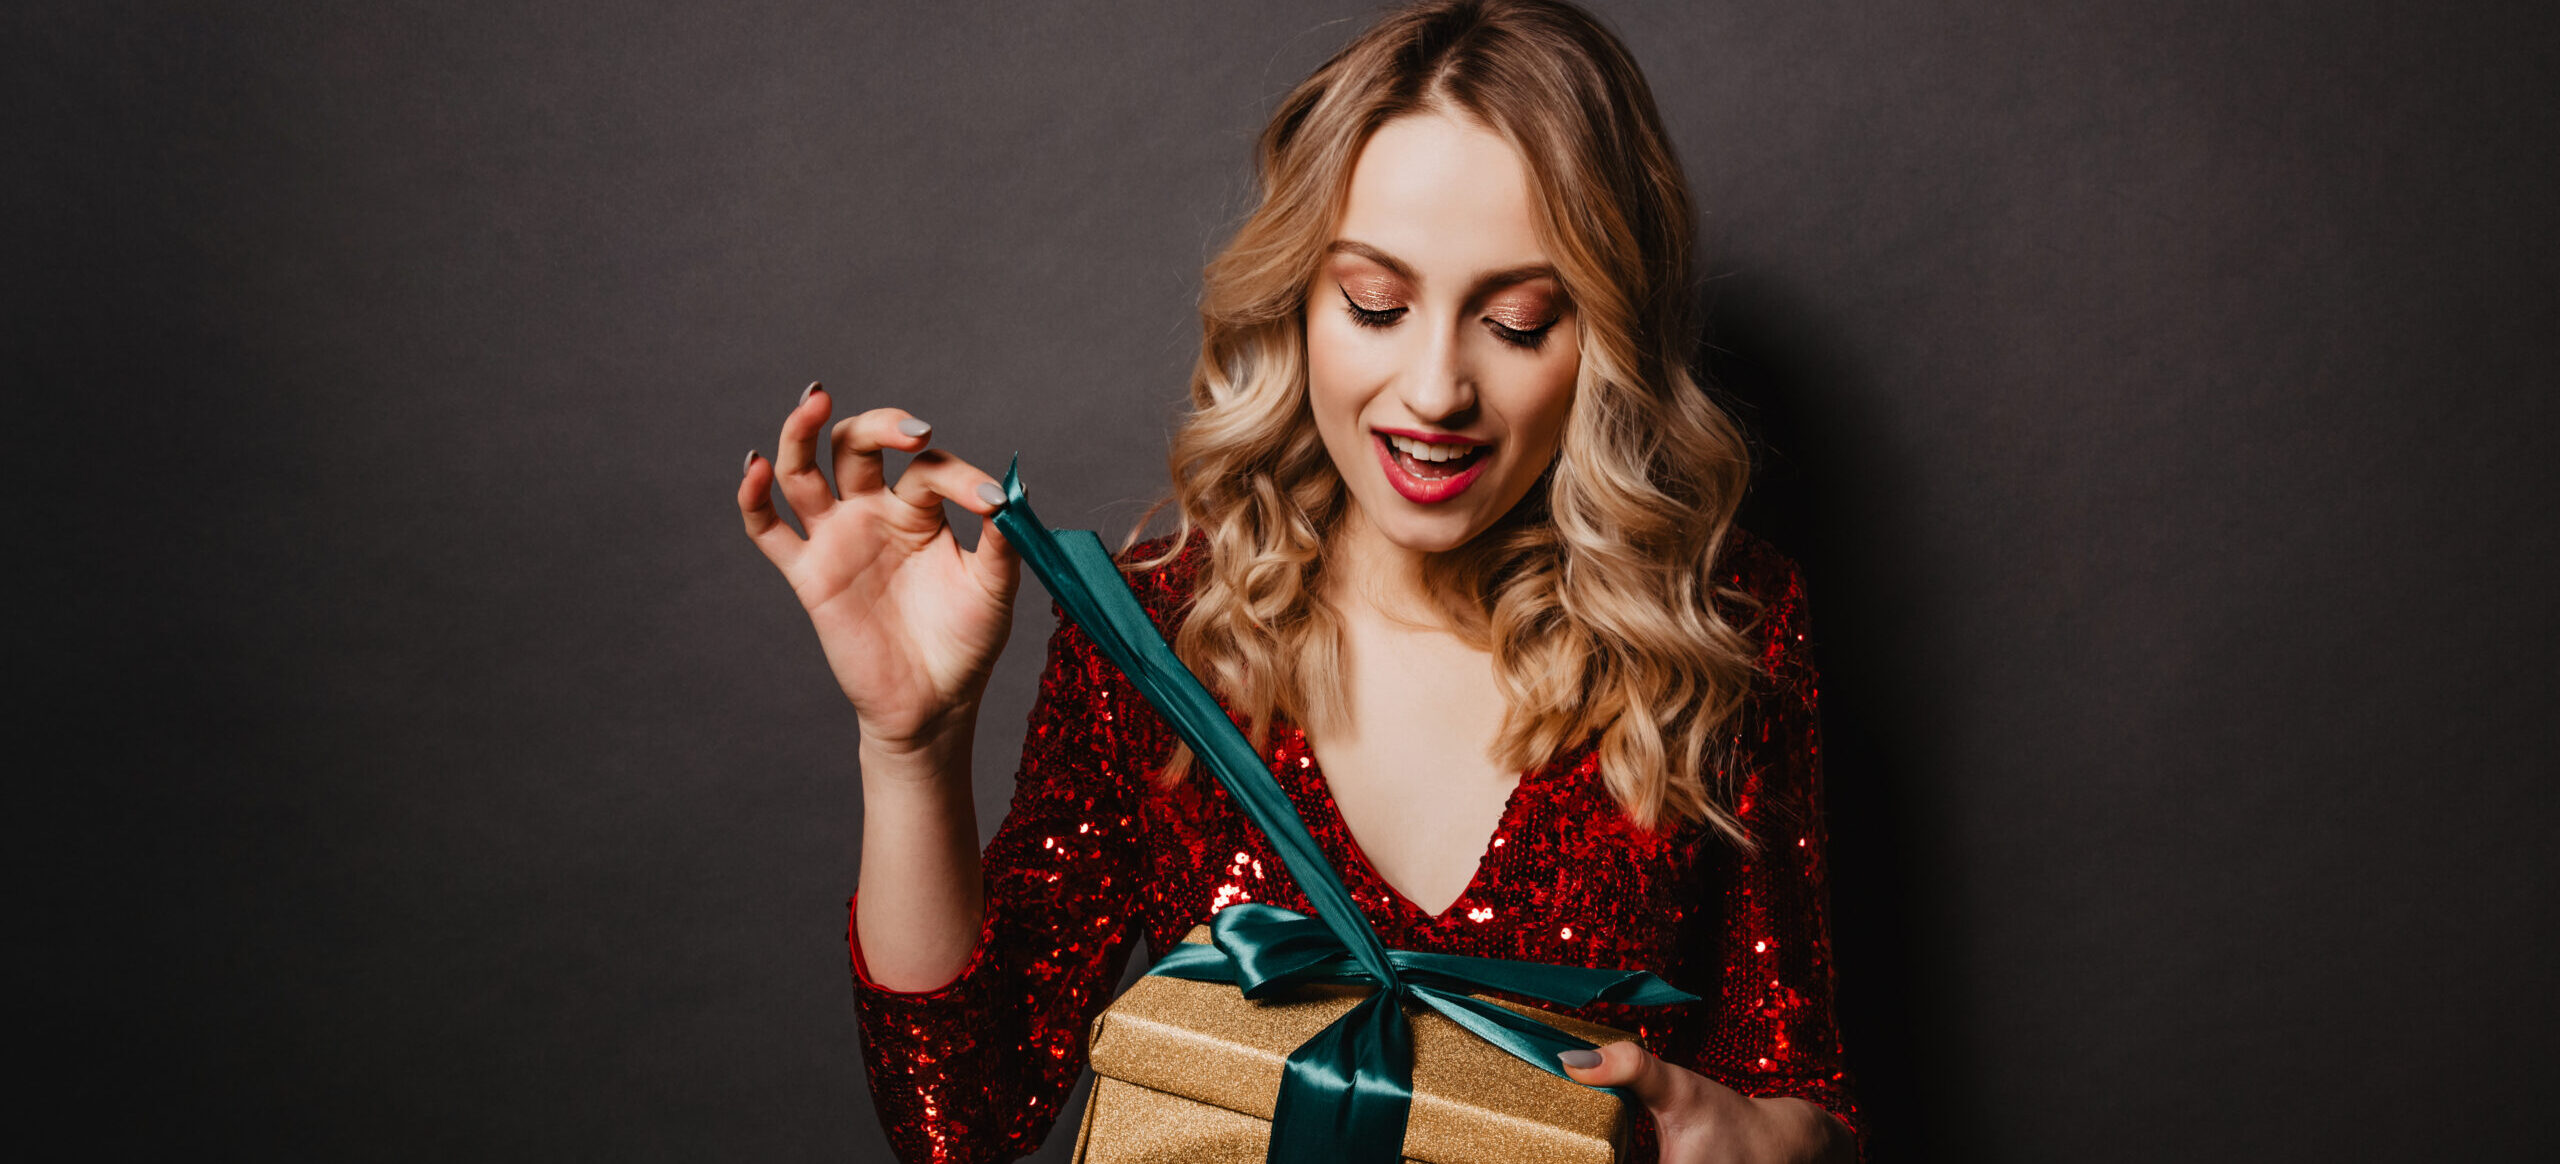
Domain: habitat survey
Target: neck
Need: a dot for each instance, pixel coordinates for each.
(1368, 571)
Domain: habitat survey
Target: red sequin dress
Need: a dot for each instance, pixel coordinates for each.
(1095, 854)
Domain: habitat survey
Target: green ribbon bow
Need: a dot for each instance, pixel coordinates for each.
(1346, 1092)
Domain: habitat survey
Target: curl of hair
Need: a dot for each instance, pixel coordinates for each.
(1595, 595)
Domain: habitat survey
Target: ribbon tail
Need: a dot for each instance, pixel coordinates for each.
(1527, 1039)
(1567, 986)
(1346, 1093)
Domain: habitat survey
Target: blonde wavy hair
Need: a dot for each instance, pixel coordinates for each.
(1595, 595)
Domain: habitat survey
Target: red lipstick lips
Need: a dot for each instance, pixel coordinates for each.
(1427, 482)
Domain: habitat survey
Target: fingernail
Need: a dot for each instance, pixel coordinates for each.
(804, 393)
(1581, 1059)
(751, 463)
(990, 494)
(913, 427)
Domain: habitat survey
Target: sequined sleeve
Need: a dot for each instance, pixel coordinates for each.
(1774, 1033)
(977, 1069)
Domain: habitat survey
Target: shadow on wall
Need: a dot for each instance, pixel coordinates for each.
(1832, 489)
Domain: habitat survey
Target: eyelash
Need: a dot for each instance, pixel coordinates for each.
(1526, 340)
(1367, 318)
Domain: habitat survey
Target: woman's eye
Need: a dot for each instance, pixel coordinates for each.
(1368, 318)
(1531, 340)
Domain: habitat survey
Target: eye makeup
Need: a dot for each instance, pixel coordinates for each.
(1520, 306)
(1522, 319)
(1524, 312)
(1529, 338)
(1371, 316)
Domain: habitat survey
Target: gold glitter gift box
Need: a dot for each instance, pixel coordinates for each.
(1187, 1073)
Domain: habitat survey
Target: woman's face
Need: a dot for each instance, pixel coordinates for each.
(1441, 350)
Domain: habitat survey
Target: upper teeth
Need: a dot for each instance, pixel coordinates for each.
(1422, 451)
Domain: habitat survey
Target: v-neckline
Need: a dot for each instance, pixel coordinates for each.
(1312, 770)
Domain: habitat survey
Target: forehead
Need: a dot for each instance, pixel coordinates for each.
(1446, 195)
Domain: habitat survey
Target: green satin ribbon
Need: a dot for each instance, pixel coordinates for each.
(1346, 1092)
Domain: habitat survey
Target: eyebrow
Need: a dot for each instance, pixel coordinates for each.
(1492, 282)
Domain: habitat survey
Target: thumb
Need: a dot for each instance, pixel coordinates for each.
(996, 562)
(1625, 1064)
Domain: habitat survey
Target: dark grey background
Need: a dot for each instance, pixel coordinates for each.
(417, 763)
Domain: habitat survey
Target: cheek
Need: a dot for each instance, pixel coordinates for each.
(1341, 370)
(1542, 399)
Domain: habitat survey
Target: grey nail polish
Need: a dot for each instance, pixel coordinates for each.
(751, 463)
(913, 427)
(990, 494)
(1584, 1059)
(804, 393)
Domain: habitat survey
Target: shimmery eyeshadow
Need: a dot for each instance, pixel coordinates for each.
(1523, 311)
(1374, 292)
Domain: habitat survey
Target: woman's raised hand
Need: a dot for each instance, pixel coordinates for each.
(910, 623)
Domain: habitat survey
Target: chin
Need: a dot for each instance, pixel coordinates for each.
(1428, 536)
(1438, 532)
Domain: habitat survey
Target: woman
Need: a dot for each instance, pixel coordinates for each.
(1456, 549)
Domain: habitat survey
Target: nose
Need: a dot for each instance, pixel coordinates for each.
(1441, 386)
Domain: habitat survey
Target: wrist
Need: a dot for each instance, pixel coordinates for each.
(936, 755)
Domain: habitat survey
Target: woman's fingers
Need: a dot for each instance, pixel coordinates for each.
(1658, 1085)
(935, 476)
(855, 445)
(755, 504)
(858, 440)
(795, 456)
(998, 564)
